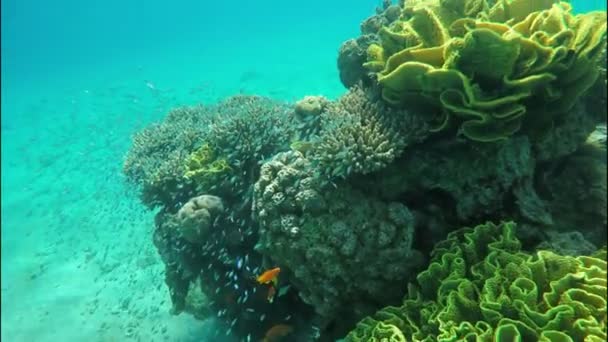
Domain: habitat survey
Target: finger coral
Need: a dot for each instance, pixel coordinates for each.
(480, 286)
(488, 70)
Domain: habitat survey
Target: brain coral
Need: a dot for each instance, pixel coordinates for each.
(480, 286)
(196, 217)
(337, 243)
(489, 71)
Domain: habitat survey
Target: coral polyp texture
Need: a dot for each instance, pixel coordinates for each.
(480, 286)
(338, 243)
(361, 135)
(197, 215)
(490, 72)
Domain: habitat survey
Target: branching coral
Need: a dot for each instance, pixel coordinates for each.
(338, 243)
(153, 146)
(475, 179)
(489, 70)
(155, 161)
(250, 130)
(361, 135)
(480, 286)
(238, 133)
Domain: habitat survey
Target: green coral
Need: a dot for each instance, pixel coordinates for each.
(203, 167)
(480, 286)
(489, 71)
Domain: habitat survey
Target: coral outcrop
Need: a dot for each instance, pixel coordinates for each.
(338, 243)
(458, 112)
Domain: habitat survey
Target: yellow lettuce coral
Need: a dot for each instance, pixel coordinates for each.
(202, 166)
(491, 69)
(480, 286)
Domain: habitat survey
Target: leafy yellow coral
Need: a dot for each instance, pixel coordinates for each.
(202, 166)
(491, 69)
(480, 286)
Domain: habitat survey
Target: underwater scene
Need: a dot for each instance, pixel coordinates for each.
(272, 171)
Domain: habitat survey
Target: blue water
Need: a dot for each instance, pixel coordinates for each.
(78, 79)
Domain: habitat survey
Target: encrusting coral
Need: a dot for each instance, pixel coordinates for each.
(337, 243)
(494, 71)
(480, 286)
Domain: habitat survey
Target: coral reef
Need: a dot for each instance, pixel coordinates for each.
(457, 112)
(480, 286)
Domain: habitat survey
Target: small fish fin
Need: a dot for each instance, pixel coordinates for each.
(275, 282)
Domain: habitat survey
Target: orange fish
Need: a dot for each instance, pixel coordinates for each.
(277, 332)
(271, 292)
(270, 276)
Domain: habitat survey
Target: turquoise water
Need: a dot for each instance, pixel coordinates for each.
(78, 80)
